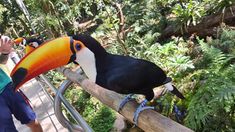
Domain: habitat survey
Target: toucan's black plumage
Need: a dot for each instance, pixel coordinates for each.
(31, 44)
(128, 75)
(124, 74)
(31, 40)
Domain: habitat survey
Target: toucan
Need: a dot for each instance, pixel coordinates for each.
(19, 40)
(122, 74)
(30, 43)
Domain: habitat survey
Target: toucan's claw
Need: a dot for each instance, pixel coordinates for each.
(141, 108)
(124, 101)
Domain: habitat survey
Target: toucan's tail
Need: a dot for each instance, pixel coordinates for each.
(176, 92)
(172, 88)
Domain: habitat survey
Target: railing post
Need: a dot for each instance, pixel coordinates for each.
(58, 100)
(83, 126)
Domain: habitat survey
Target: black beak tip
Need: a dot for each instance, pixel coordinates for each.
(18, 77)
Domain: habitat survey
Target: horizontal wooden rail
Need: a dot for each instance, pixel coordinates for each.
(149, 120)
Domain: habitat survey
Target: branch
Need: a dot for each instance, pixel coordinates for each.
(149, 120)
(121, 32)
(205, 28)
(61, 26)
(121, 17)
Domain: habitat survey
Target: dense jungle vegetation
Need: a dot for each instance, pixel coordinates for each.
(192, 40)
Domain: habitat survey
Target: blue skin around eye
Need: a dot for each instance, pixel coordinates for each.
(78, 46)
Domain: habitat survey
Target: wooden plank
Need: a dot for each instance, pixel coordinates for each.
(149, 120)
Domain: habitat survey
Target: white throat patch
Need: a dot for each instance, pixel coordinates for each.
(86, 59)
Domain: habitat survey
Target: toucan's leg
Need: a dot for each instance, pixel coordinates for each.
(124, 101)
(141, 107)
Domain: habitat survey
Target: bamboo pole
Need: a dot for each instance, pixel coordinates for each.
(149, 120)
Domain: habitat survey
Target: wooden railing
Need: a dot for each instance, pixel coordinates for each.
(149, 120)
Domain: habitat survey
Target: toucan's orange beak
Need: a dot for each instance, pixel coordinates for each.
(28, 49)
(50, 55)
(18, 40)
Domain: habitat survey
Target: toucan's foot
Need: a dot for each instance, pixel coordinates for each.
(179, 113)
(141, 107)
(124, 101)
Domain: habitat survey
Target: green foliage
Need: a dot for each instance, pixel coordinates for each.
(212, 105)
(102, 120)
(98, 116)
(2, 10)
(189, 12)
(172, 55)
(216, 5)
(78, 98)
(55, 77)
(226, 42)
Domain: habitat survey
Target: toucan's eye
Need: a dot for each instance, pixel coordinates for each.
(78, 46)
